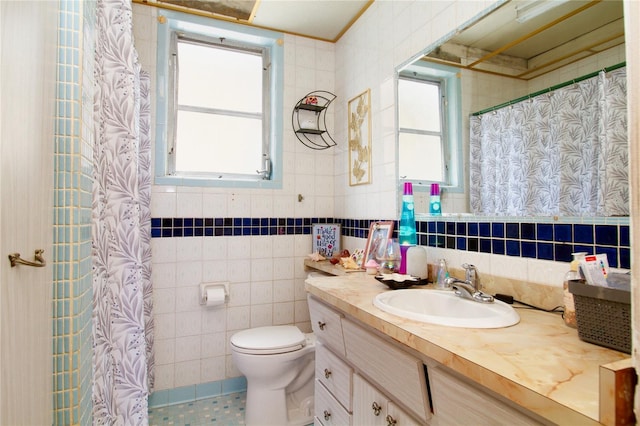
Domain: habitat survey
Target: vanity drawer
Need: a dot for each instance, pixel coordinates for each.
(334, 374)
(328, 410)
(400, 375)
(327, 325)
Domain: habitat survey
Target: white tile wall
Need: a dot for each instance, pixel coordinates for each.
(187, 348)
(187, 373)
(240, 294)
(213, 345)
(283, 313)
(214, 205)
(214, 320)
(165, 351)
(212, 369)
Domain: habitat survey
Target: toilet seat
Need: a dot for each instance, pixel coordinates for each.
(269, 340)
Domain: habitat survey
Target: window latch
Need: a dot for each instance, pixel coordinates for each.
(266, 172)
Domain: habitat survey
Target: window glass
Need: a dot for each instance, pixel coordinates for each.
(415, 152)
(420, 140)
(429, 126)
(204, 144)
(419, 105)
(218, 120)
(205, 74)
(219, 104)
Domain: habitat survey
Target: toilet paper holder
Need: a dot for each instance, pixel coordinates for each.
(206, 286)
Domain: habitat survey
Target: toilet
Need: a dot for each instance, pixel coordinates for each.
(279, 364)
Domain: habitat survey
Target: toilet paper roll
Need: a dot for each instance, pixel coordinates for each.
(215, 296)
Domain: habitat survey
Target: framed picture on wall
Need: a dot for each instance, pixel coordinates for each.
(360, 139)
(379, 232)
(326, 239)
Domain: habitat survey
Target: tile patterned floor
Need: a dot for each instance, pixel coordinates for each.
(225, 410)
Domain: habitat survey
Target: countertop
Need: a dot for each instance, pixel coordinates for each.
(539, 363)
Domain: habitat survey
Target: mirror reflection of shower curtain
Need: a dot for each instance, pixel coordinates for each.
(564, 153)
(121, 224)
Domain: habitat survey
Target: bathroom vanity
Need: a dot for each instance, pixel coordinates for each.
(376, 368)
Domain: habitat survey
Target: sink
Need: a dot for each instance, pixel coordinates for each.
(443, 307)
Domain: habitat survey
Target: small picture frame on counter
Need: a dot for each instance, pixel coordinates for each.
(378, 232)
(326, 239)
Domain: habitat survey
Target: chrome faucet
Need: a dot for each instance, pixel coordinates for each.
(471, 276)
(470, 287)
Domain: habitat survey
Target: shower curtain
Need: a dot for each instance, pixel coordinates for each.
(121, 224)
(560, 153)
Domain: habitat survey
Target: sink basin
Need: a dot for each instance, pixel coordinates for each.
(445, 308)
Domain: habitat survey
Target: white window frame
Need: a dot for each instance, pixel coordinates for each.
(197, 29)
(451, 122)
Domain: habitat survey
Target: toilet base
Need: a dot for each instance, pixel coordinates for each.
(269, 408)
(302, 415)
(265, 407)
(300, 404)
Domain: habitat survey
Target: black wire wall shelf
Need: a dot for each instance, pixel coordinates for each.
(309, 120)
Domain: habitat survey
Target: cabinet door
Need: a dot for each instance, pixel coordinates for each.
(396, 417)
(458, 403)
(399, 374)
(369, 405)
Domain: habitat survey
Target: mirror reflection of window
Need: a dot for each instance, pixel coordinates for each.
(420, 130)
(429, 126)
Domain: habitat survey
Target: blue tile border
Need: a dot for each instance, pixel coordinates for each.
(190, 393)
(536, 240)
(228, 226)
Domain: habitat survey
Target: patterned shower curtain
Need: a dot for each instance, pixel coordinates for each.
(121, 224)
(560, 153)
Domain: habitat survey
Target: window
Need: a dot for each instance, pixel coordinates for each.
(420, 129)
(219, 104)
(429, 123)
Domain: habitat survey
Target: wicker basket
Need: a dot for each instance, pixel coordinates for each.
(603, 315)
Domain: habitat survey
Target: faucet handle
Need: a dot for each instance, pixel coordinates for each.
(469, 269)
(471, 275)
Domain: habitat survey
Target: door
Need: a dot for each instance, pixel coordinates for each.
(27, 86)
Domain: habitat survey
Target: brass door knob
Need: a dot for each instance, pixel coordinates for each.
(327, 415)
(376, 408)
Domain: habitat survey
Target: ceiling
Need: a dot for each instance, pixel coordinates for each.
(499, 43)
(503, 44)
(319, 19)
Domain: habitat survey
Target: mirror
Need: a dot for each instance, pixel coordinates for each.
(518, 48)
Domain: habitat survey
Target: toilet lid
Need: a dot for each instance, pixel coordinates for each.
(269, 340)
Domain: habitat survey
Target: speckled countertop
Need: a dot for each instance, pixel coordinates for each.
(539, 363)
